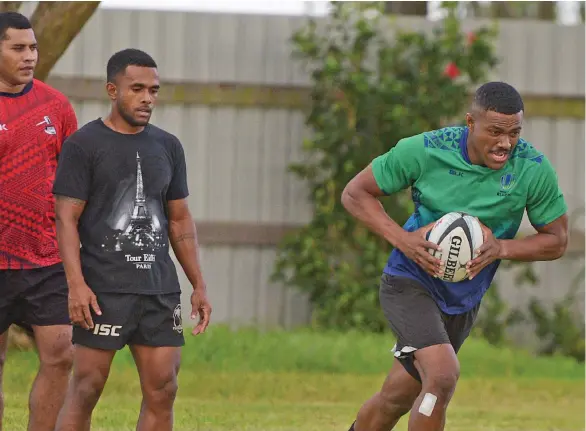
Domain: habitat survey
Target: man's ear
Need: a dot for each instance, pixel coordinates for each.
(112, 90)
(469, 121)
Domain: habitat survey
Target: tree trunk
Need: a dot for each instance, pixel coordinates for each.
(418, 8)
(10, 6)
(501, 9)
(56, 24)
(546, 10)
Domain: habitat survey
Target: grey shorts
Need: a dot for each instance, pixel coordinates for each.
(418, 322)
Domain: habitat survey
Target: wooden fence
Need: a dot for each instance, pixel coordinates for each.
(234, 96)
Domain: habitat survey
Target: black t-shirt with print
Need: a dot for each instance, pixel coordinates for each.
(126, 181)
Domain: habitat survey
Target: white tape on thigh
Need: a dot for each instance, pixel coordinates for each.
(427, 404)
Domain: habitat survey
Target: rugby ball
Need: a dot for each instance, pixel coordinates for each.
(458, 235)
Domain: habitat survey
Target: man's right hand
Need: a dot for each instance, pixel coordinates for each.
(81, 298)
(415, 246)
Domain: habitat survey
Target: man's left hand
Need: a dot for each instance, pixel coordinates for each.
(487, 253)
(200, 306)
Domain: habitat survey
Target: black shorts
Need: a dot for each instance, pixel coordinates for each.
(35, 296)
(131, 319)
(418, 322)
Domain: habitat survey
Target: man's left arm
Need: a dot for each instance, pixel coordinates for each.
(549, 243)
(68, 122)
(547, 212)
(183, 239)
(546, 209)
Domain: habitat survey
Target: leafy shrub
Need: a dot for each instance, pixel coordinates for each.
(372, 84)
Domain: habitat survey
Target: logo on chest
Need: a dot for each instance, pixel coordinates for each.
(507, 182)
(49, 128)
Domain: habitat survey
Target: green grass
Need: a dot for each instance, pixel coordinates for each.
(304, 381)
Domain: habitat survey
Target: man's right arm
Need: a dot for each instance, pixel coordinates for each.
(387, 174)
(361, 199)
(68, 210)
(72, 189)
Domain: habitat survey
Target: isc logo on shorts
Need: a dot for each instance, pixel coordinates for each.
(108, 330)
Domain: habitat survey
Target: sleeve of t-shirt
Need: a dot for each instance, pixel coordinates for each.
(68, 121)
(178, 187)
(545, 202)
(401, 166)
(74, 171)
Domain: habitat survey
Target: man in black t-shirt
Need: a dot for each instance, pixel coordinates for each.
(121, 189)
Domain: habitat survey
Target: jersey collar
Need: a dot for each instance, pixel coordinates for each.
(28, 87)
(463, 146)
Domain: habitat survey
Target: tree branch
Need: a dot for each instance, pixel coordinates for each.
(10, 6)
(56, 24)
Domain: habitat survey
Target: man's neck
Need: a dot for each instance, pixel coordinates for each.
(474, 158)
(6, 87)
(118, 124)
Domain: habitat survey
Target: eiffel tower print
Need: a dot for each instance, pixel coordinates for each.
(140, 232)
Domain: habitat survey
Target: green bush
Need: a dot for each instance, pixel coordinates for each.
(496, 315)
(560, 330)
(370, 88)
(559, 326)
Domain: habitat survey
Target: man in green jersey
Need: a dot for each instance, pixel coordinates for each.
(486, 170)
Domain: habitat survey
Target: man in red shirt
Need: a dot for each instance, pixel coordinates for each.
(35, 119)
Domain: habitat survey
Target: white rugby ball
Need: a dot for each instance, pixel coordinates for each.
(458, 235)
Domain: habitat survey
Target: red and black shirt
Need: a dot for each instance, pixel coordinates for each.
(33, 125)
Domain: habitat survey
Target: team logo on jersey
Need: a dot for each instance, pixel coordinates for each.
(177, 320)
(507, 182)
(49, 128)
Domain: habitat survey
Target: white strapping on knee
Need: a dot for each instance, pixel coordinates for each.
(427, 404)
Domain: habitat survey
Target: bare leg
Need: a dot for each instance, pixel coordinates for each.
(49, 387)
(441, 370)
(91, 368)
(386, 407)
(158, 368)
(3, 348)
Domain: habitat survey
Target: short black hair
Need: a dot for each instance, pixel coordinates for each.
(498, 97)
(127, 57)
(13, 20)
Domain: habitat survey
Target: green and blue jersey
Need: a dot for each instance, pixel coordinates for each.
(436, 166)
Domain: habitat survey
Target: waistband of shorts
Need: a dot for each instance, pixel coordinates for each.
(387, 279)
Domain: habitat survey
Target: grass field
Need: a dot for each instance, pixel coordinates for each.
(303, 381)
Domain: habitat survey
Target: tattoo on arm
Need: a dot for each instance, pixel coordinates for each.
(184, 237)
(74, 201)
